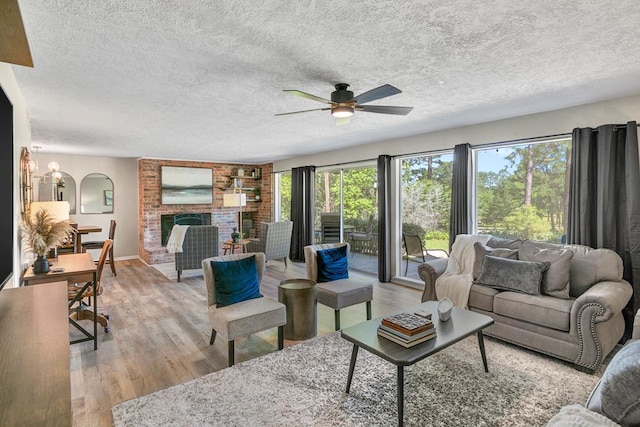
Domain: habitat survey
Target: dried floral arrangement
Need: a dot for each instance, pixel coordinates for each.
(41, 232)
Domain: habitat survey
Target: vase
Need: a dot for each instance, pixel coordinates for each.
(40, 265)
(235, 236)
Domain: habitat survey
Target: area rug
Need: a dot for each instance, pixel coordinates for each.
(303, 385)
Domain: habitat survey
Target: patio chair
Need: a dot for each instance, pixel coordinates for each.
(414, 247)
(361, 238)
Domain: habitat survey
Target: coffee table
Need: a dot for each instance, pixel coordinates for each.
(462, 324)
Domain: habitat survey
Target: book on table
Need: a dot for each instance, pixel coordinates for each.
(404, 336)
(406, 343)
(407, 323)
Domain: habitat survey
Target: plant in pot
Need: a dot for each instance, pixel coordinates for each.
(256, 193)
(235, 236)
(41, 233)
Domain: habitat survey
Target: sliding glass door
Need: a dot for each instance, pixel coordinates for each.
(346, 207)
(425, 204)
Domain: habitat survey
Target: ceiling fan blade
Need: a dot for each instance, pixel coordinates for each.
(303, 111)
(377, 93)
(385, 109)
(14, 46)
(307, 95)
(343, 121)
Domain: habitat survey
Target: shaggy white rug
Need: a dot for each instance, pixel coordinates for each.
(303, 385)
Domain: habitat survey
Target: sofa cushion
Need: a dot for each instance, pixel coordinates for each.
(509, 274)
(590, 266)
(620, 394)
(540, 310)
(481, 297)
(482, 250)
(499, 242)
(555, 281)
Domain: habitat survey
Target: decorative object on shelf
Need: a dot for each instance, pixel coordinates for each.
(445, 306)
(44, 229)
(240, 172)
(234, 200)
(256, 193)
(235, 236)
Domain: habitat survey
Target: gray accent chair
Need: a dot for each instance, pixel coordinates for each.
(200, 242)
(582, 329)
(274, 241)
(243, 318)
(340, 293)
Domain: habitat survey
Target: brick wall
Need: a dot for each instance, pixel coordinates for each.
(150, 207)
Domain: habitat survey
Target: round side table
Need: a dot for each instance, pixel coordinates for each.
(299, 297)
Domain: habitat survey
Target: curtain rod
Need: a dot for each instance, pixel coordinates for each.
(486, 145)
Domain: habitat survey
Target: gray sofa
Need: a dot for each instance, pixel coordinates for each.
(581, 324)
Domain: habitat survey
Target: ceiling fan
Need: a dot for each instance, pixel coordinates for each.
(343, 104)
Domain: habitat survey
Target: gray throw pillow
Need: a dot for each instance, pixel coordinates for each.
(619, 386)
(555, 281)
(512, 275)
(482, 250)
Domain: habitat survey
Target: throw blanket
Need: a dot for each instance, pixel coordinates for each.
(176, 238)
(455, 283)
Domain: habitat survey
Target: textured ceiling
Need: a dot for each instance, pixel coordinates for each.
(198, 79)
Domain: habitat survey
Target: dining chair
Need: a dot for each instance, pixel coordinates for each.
(78, 310)
(236, 307)
(98, 244)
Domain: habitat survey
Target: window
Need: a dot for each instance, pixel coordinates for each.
(283, 196)
(521, 190)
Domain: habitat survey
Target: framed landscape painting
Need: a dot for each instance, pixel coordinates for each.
(186, 186)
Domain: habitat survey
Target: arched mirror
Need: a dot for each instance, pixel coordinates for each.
(96, 194)
(63, 189)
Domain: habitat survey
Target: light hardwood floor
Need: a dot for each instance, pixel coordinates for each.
(160, 335)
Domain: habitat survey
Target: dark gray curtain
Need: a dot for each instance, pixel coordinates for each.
(604, 197)
(459, 219)
(384, 219)
(302, 209)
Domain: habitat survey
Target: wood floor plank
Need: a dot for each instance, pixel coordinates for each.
(160, 334)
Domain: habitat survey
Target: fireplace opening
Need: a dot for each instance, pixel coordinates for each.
(167, 222)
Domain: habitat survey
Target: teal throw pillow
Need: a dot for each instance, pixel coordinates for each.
(236, 280)
(332, 264)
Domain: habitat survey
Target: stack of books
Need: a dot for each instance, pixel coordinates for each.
(407, 329)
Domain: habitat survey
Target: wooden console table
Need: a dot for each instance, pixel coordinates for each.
(77, 268)
(34, 356)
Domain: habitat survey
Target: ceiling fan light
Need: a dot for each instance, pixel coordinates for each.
(342, 111)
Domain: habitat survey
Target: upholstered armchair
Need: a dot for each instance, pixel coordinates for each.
(274, 241)
(328, 265)
(236, 307)
(200, 242)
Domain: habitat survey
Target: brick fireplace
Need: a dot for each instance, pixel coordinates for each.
(150, 208)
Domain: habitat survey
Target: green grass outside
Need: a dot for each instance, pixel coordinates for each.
(436, 244)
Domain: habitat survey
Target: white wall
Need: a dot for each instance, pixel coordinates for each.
(542, 124)
(124, 174)
(21, 137)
